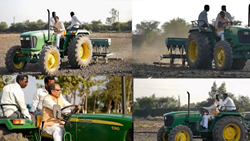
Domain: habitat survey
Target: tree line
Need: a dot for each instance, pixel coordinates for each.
(157, 106)
(106, 98)
(111, 25)
(148, 33)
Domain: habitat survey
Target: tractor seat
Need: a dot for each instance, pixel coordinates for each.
(44, 134)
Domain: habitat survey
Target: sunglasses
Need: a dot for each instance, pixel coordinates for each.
(57, 90)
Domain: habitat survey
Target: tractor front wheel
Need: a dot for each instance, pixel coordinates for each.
(223, 58)
(161, 134)
(49, 60)
(180, 133)
(80, 51)
(11, 59)
(230, 128)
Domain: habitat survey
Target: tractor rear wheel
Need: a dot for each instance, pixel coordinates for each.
(11, 62)
(230, 128)
(80, 51)
(239, 64)
(223, 58)
(198, 51)
(49, 60)
(180, 132)
(161, 134)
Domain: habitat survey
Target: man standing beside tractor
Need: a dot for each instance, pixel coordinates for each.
(36, 108)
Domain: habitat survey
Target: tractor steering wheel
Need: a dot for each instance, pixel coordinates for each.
(204, 110)
(67, 115)
(54, 28)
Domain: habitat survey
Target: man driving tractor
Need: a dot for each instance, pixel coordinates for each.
(52, 126)
(221, 24)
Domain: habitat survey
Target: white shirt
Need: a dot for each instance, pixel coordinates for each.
(52, 21)
(220, 102)
(74, 21)
(229, 102)
(228, 15)
(38, 99)
(214, 106)
(13, 94)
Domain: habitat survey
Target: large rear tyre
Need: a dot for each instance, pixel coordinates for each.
(49, 60)
(11, 62)
(198, 51)
(161, 134)
(230, 128)
(80, 52)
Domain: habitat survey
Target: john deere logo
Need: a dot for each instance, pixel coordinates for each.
(115, 128)
(106, 40)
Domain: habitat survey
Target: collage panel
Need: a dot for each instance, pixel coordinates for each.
(171, 39)
(66, 108)
(89, 38)
(191, 109)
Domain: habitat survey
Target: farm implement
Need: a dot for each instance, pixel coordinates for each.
(203, 46)
(40, 47)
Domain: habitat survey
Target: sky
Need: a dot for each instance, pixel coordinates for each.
(163, 11)
(198, 88)
(86, 11)
(30, 89)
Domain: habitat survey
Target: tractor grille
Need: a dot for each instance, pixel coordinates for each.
(28, 43)
(244, 36)
(168, 120)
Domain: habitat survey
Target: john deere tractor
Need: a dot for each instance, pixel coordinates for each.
(230, 50)
(78, 126)
(185, 125)
(40, 46)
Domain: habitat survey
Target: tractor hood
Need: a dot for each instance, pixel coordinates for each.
(107, 119)
(36, 33)
(179, 113)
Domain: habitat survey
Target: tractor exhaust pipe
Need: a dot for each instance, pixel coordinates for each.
(48, 25)
(188, 107)
(249, 15)
(124, 103)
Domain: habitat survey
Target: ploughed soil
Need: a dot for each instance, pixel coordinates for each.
(121, 46)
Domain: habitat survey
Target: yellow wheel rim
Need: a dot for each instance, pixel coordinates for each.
(182, 136)
(231, 132)
(164, 135)
(220, 55)
(84, 51)
(52, 60)
(21, 64)
(192, 51)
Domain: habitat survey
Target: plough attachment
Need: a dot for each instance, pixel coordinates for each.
(101, 49)
(176, 49)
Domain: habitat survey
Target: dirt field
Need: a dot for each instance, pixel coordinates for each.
(121, 46)
(143, 125)
(143, 67)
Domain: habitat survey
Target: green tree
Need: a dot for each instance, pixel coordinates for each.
(149, 30)
(214, 90)
(3, 26)
(114, 15)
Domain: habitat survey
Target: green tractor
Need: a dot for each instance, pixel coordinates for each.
(185, 125)
(230, 50)
(78, 126)
(40, 46)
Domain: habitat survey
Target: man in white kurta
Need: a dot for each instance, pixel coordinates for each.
(52, 19)
(212, 112)
(52, 126)
(37, 106)
(13, 94)
(228, 102)
(74, 21)
(59, 30)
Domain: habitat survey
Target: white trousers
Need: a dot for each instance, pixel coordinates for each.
(205, 119)
(56, 131)
(58, 36)
(220, 32)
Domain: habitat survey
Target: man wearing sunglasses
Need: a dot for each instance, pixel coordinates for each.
(13, 94)
(53, 126)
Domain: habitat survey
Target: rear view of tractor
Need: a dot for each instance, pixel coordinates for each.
(185, 125)
(230, 50)
(40, 47)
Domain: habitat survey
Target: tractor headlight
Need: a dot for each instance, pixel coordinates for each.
(27, 38)
(246, 33)
(21, 38)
